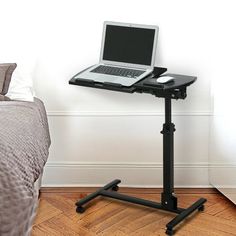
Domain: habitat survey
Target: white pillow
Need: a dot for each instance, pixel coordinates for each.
(21, 86)
(18, 46)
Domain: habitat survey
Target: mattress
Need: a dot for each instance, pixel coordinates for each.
(24, 149)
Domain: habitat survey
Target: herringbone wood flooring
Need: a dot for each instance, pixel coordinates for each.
(106, 217)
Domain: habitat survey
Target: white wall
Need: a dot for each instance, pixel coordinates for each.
(99, 135)
(222, 171)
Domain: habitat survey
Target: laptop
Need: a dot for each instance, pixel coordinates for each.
(127, 54)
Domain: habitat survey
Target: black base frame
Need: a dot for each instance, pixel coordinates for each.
(168, 199)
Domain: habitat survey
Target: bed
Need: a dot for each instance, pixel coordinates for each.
(24, 147)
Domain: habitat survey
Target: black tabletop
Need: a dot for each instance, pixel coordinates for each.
(175, 89)
(179, 81)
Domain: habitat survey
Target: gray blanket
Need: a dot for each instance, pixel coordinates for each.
(24, 144)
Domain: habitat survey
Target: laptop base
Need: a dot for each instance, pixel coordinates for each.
(112, 86)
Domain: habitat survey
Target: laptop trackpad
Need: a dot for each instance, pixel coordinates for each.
(101, 77)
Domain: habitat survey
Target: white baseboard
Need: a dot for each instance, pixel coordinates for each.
(75, 174)
(124, 113)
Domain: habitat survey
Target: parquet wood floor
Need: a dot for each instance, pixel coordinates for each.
(107, 217)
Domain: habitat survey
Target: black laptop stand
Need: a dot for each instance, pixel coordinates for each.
(169, 202)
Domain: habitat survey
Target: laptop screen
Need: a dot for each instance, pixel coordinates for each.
(128, 44)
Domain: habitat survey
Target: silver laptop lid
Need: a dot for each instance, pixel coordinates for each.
(129, 45)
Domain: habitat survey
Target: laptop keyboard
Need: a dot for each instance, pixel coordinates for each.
(110, 70)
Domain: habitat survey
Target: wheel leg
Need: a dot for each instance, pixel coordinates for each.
(201, 208)
(169, 231)
(115, 188)
(80, 209)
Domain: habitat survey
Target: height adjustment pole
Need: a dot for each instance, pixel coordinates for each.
(168, 199)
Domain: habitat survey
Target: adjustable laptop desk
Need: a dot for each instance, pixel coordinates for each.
(176, 89)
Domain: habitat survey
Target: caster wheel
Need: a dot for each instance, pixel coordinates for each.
(170, 232)
(80, 209)
(115, 188)
(201, 208)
